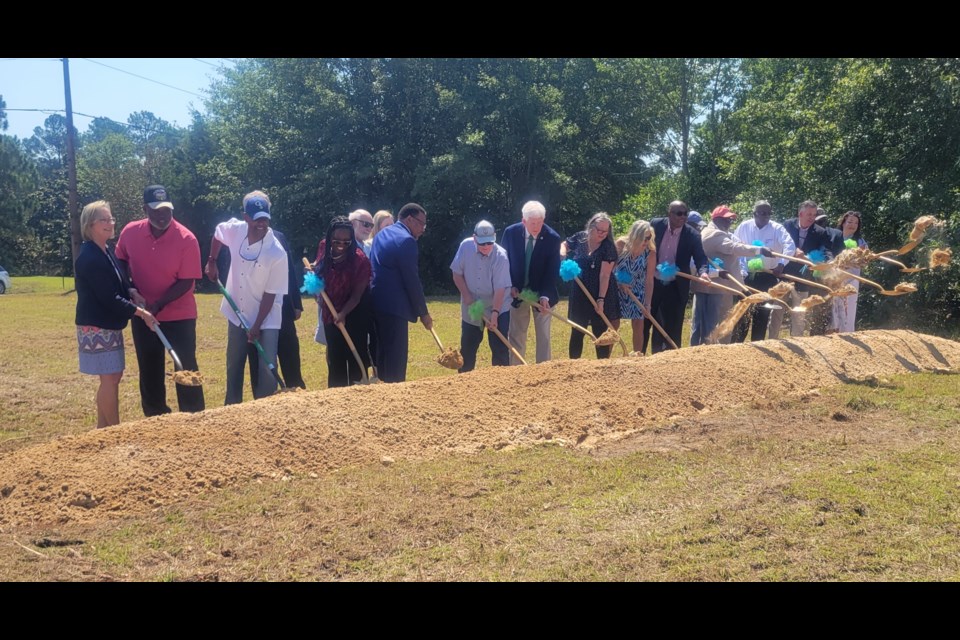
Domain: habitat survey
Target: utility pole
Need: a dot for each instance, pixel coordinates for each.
(75, 237)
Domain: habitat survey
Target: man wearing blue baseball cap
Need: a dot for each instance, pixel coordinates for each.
(257, 282)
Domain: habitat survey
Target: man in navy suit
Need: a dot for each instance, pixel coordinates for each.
(533, 250)
(677, 242)
(808, 236)
(396, 291)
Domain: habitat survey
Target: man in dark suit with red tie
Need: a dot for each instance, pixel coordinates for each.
(533, 249)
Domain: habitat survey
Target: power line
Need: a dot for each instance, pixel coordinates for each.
(209, 64)
(170, 86)
(86, 115)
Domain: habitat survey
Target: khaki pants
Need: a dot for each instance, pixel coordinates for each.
(520, 324)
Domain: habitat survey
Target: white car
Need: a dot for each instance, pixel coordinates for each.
(4, 280)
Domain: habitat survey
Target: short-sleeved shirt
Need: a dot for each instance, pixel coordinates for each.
(157, 263)
(578, 249)
(255, 270)
(484, 275)
(341, 279)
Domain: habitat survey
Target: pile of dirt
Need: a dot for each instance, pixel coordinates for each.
(157, 462)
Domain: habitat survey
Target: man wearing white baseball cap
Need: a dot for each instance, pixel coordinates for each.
(481, 271)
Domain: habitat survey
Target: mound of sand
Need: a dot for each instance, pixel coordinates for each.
(156, 462)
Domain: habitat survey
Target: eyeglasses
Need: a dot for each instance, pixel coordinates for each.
(485, 244)
(679, 213)
(422, 222)
(366, 225)
(341, 243)
(108, 220)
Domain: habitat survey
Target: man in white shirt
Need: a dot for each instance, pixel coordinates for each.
(257, 282)
(362, 223)
(774, 237)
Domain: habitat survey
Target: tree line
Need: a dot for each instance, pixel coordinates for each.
(475, 138)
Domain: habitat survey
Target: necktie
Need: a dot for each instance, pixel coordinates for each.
(528, 253)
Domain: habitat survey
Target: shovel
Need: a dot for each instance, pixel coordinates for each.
(626, 288)
(449, 358)
(531, 298)
(180, 376)
(256, 343)
(901, 289)
(365, 379)
(476, 314)
(603, 316)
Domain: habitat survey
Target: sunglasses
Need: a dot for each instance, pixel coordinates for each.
(679, 213)
(341, 243)
(485, 244)
(366, 225)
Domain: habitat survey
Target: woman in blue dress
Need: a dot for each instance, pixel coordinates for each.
(639, 259)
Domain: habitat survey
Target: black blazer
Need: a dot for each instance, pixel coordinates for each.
(98, 282)
(817, 239)
(689, 247)
(836, 240)
(544, 263)
(292, 300)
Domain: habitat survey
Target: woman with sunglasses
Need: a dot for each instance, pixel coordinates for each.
(594, 250)
(345, 270)
(103, 309)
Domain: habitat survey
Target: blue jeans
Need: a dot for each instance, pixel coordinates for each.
(471, 336)
(237, 360)
(705, 317)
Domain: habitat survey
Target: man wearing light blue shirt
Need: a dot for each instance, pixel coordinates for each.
(481, 271)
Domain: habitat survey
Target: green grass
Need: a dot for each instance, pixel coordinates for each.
(881, 504)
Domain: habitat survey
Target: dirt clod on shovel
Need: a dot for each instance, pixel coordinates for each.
(940, 258)
(450, 358)
(607, 338)
(187, 378)
(809, 302)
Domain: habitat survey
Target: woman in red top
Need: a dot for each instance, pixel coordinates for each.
(346, 275)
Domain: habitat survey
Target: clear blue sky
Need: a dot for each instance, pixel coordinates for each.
(37, 83)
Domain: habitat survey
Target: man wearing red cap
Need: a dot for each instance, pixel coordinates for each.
(719, 244)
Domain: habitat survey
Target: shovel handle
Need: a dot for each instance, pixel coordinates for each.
(437, 338)
(551, 311)
(793, 259)
(256, 343)
(610, 326)
(787, 276)
(710, 284)
(166, 345)
(346, 336)
(503, 339)
(649, 317)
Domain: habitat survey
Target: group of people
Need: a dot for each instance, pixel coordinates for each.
(371, 289)
(808, 235)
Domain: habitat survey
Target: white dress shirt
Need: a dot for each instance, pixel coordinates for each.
(254, 270)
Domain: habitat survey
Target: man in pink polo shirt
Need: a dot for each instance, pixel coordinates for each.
(162, 258)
